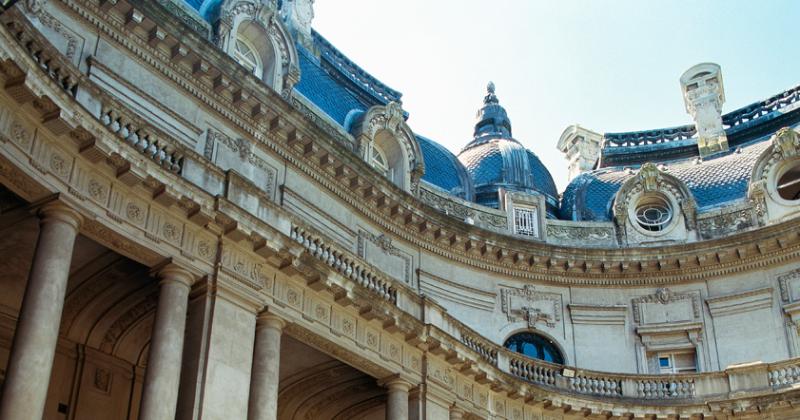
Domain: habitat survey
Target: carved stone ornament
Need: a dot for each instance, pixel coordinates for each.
(651, 179)
(786, 142)
(531, 305)
(264, 14)
(785, 282)
(664, 296)
(391, 118)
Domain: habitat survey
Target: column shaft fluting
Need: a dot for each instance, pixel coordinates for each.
(266, 369)
(162, 377)
(33, 350)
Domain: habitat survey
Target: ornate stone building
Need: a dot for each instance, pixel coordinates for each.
(209, 212)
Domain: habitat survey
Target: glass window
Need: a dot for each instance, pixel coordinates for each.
(678, 361)
(789, 184)
(535, 346)
(525, 221)
(246, 55)
(653, 213)
(378, 161)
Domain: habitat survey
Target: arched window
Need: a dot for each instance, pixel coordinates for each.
(535, 346)
(379, 162)
(246, 55)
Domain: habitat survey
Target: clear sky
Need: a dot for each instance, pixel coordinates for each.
(607, 65)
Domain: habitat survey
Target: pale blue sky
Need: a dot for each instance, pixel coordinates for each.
(607, 65)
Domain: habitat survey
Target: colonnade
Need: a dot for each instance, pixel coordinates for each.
(33, 350)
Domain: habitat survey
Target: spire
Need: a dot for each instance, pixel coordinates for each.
(492, 120)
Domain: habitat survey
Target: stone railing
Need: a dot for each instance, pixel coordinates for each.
(784, 373)
(593, 385)
(533, 370)
(734, 382)
(346, 265)
(643, 138)
(481, 346)
(759, 109)
(139, 137)
(48, 58)
(475, 214)
(665, 388)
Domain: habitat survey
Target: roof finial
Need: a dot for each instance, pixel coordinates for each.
(490, 97)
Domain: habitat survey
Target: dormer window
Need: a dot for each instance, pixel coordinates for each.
(378, 161)
(246, 55)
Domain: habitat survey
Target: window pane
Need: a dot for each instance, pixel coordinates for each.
(535, 346)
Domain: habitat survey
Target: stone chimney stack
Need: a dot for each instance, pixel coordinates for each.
(298, 15)
(703, 95)
(582, 148)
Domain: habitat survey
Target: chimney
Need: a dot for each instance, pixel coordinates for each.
(703, 95)
(582, 148)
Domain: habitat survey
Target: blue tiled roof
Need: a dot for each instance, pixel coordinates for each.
(714, 181)
(442, 168)
(504, 163)
(324, 91)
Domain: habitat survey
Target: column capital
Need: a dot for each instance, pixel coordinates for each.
(395, 383)
(174, 273)
(270, 320)
(58, 211)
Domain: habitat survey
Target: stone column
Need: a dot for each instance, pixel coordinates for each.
(397, 402)
(34, 346)
(266, 368)
(160, 394)
(456, 413)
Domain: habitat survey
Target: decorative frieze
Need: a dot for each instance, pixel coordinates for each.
(582, 234)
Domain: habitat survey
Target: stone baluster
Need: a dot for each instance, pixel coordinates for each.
(33, 350)
(265, 377)
(160, 394)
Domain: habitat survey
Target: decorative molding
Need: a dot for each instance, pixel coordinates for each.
(531, 305)
(784, 281)
(738, 303)
(598, 314)
(665, 296)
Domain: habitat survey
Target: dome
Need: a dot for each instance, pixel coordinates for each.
(444, 170)
(494, 159)
(713, 181)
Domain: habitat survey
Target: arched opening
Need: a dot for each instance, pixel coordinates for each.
(535, 346)
(789, 183)
(387, 157)
(653, 213)
(253, 49)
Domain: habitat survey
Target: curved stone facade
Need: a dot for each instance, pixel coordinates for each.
(238, 254)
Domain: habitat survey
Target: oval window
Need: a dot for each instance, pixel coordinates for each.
(653, 213)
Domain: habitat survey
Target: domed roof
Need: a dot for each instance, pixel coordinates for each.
(713, 181)
(443, 169)
(494, 159)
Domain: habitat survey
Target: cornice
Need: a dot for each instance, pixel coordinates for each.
(321, 158)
